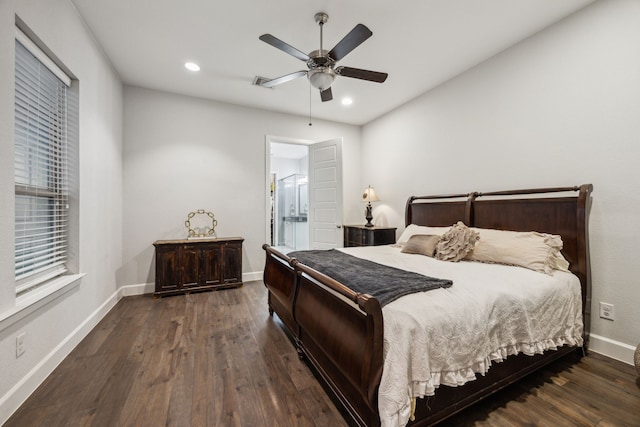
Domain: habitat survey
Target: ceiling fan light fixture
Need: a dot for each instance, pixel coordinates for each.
(321, 78)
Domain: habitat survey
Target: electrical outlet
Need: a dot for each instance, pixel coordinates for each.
(606, 311)
(20, 344)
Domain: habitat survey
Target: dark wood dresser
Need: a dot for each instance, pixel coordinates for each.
(184, 266)
(359, 235)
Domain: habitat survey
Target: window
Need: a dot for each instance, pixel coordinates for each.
(41, 169)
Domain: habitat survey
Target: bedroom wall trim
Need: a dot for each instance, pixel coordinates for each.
(40, 298)
(139, 289)
(12, 400)
(252, 276)
(611, 348)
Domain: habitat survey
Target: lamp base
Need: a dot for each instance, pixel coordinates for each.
(368, 215)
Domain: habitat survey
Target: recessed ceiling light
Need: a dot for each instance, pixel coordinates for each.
(347, 101)
(192, 66)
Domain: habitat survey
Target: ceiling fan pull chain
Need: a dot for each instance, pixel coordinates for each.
(310, 124)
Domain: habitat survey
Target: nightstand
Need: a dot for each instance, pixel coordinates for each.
(359, 235)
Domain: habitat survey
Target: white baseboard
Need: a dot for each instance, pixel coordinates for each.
(253, 276)
(139, 289)
(15, 397)
(611, 348)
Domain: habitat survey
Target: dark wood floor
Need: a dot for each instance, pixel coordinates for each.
(217, 359)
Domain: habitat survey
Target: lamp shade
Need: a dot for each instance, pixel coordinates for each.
(369, 195)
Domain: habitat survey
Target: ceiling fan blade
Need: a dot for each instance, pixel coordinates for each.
(283, 79)
(352, 40)
(277, 43)
(356, 73)
(326, 95)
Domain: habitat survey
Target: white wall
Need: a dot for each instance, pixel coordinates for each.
(561, 108)
(54, 329)
(284, 167)
(183, 153)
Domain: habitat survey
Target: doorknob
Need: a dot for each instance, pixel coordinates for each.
(338, 226)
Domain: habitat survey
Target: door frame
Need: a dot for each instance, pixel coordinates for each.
(268, 139)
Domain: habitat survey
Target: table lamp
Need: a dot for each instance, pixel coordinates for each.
(369, 196)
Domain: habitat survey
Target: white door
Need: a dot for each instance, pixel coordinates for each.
(325, 194)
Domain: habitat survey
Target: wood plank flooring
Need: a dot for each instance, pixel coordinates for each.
(218, 359)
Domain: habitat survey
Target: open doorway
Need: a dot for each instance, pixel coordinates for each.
(303, 194)
(288, 196)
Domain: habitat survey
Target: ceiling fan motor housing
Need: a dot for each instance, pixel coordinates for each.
(321, 72)
(319, 58)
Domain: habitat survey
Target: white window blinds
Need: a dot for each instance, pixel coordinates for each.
(41, 196)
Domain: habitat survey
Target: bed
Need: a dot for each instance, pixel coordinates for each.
(340, 332)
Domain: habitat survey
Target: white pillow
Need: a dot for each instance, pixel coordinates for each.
(413, 229)
(532, 250)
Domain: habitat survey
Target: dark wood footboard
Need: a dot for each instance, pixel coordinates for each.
(280, 278)
(339, 331)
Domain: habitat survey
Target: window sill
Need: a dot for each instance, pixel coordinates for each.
(33, 301)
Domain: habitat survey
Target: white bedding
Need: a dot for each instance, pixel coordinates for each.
(445, 336)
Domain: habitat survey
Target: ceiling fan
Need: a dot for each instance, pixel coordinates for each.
(321, 63)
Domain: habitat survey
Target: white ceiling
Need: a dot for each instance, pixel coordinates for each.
(420, 43)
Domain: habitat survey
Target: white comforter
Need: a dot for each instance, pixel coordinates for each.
(445, 336)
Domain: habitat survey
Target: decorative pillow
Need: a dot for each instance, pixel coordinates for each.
(419, 229)
(532, 250)
(456, 243)
(561, 262)
(423, 244)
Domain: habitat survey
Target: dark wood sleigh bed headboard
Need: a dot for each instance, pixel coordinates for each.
(561, 210)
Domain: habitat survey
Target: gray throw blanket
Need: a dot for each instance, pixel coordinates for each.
(385, 283)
